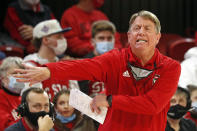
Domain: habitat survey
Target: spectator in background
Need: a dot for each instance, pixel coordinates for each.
(103, 38)
(10, 91)
(67, 118)
(189, 68)
(36, 112)
(192, 114)
(22, 16)
(80, 17)
(180, 103)
(48, 38)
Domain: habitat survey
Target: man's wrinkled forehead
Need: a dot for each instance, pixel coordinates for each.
(143, 21)
(32, 95)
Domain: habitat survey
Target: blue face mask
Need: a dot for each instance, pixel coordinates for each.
(15, 86)
(65, 119)
(102, 47)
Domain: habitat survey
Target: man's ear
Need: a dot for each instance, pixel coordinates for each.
(45, 41)
(93, 42)
(158, 37)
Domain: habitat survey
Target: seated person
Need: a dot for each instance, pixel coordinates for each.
(103, 37)
(180, 103)
(9, 92)
(188, 68)
(80, 17)
(48, 38)
(192, 114)
(22, 16)
(36, 112)
(67, 118)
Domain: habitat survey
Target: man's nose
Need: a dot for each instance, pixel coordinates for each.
(66, 105)
(141, 31)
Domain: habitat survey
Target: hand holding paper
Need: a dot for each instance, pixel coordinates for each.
(81, 102)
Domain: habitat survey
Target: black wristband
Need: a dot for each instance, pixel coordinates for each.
(109, 100)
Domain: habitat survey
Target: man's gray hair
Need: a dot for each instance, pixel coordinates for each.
(147, 15)
(8, 63)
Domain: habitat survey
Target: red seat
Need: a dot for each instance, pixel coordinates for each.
(11, 50)
(165, 40)
(178, 48)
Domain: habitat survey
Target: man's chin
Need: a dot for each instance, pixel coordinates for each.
(141, 45)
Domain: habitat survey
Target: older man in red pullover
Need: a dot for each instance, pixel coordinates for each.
(140, 80)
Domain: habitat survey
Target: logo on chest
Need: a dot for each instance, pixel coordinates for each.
(156, 77)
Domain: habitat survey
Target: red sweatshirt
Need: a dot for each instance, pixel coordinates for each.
(16, 17)
(79, 37)
(8, 104)
(137, 105)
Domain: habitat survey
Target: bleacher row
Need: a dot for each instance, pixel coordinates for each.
(172, 45)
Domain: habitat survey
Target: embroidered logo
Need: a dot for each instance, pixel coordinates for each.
(126, 74)
(45, 29)
(155, 78)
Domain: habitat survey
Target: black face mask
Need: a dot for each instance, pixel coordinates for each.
(177, 111)
(33, 117)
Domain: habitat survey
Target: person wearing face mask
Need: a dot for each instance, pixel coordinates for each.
(79, 39)
(21, 17)
(67, 118)
(180, 103)
(192, 113)
(10, 91)
(103, 35)
(49, 39)
(36, 112)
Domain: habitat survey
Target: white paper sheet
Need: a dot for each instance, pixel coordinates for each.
(81, 102)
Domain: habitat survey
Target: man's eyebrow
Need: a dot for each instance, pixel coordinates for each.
(148, 25)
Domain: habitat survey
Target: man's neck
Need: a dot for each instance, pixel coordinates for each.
(86, 5)
(144, 56)
(47, 53)
(174, 123)
(29, 124)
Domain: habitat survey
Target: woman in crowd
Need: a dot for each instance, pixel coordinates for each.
(67, 118)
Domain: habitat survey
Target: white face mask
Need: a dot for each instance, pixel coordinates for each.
(194, 104)
(194, 108)
(61, 46)
(15, 86)
(32, 2)
(105, 46)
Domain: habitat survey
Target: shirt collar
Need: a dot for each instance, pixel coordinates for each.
(43, 61)
(150, 65)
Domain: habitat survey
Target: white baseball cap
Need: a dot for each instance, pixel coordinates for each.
(48, 27)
